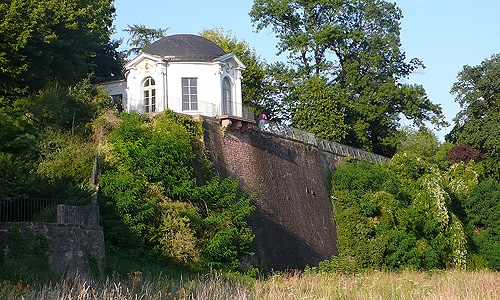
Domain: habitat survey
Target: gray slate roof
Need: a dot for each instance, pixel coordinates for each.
(185, 47)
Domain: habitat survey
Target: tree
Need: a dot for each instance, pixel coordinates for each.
(318, 107)
(142, 36)
(362, 36)
(53, 40)
(478, 123)
(253, 83)
(46, 148)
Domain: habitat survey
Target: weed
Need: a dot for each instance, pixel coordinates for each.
(8, 291)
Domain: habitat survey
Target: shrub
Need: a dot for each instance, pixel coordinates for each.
(483, 212)
(338, 264)
(463, 153)
(158, 185)
(397, 216)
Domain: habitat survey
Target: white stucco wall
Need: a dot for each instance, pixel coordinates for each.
(168, 79)
(209, 89)
(136, 75)
(116, 87)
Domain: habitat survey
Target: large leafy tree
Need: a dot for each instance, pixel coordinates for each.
(52, 40)
(254, 76)
(354, 47)
(478, 123)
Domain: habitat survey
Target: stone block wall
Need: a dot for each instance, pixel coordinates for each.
(72, 248)
(87, 215)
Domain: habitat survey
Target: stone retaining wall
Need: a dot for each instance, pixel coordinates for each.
(293, 219)
(73, 249)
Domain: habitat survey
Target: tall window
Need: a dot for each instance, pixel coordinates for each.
(226, 97)
(189, 94)
(149, 95)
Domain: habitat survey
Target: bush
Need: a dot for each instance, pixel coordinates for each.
(158, 187)
(483, 211)
(397, 216)
(463, 153)
(338, 264)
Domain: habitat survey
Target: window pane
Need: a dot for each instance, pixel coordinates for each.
(194, 91)
(146, 83)
(146, 95)
(153, 92)
(153, 100)
(194, 106)
(152, 81)
(184, 81)
(185, 90)
(193, 82)
(194, 98)
(185, 106)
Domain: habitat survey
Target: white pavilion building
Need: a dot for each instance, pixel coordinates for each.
(186, 73)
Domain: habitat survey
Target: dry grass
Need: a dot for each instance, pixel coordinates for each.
(374, 285)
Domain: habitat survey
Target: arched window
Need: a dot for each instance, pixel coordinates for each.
(149, 95)
(226, 97)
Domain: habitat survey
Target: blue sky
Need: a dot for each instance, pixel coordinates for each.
(444, 34)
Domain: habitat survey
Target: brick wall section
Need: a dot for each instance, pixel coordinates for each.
(293, 219)
(69, 245)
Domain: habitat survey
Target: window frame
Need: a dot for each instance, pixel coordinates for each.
(189, 93)
(148, 89)
(227, 102)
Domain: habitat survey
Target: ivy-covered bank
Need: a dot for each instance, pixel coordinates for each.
(414, 214)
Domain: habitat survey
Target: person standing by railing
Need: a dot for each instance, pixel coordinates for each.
(262, 117)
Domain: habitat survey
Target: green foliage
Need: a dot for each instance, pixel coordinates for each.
(36, 246)
(94, 265)
(477, 124)
(158, 189)
(483, 211)
(461, 178)
(399, 215)
(364, 74)
(47, 151)
(253, 86)
(14, 176)
(424, 144)
(28, 258)
(141, 37)
(59, 166)
(64, 157)
(54, 41)
(71, 109)
(337, 264)
(317, 106)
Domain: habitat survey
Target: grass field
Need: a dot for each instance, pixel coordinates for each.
(291, 285)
